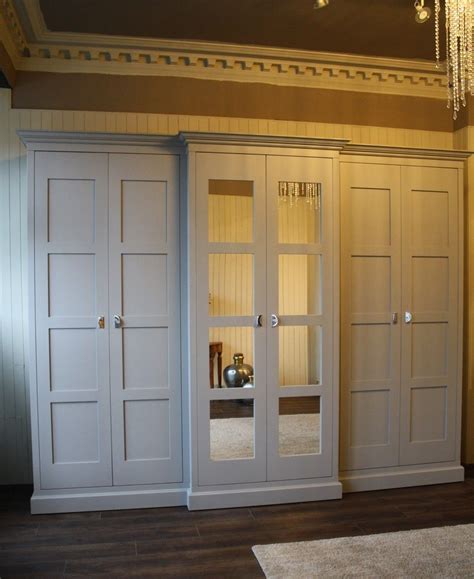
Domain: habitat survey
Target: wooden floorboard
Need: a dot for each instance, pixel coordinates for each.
(173, 542)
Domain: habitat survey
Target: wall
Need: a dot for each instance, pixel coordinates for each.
(464, 138)
(14, 437)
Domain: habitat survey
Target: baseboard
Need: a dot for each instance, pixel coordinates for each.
(42, 503)
(409, 477)
(218, 499)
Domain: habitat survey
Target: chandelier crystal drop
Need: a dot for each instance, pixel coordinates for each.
(459, 50)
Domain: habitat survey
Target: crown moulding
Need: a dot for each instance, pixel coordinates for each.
(100, 54)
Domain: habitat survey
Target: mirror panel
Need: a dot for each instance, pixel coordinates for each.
(231, 357)
(232, 428)
(299, 425)
(299, 219)
(231, 282)
(231, 211)
(299, 284)
(300, 355)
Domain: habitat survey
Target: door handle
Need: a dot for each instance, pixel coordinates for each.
(117, 321)
(258, 321)
(408, 317)
(275, 320)
(101, 322)
(394, 317)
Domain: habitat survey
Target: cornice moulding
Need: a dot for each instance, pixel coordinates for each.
(101, 54)
(37, 139)
(386, 151)
(193, 138)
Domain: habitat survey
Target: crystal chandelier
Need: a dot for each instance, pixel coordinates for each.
(459, 50)
(293, 192)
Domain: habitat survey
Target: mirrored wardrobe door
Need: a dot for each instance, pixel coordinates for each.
(231, 318)
(299, 294)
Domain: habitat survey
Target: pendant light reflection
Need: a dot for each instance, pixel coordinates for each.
(423, 13)
(320, 4)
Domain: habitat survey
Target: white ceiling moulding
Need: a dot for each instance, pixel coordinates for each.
(100, 54)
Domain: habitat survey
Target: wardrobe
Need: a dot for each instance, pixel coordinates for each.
(334, 272)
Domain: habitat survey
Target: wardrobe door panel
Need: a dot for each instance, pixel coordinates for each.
(300, 297)
(231, 284)
(430, 329)
(370, 338)
(71, 270)
(144, 310)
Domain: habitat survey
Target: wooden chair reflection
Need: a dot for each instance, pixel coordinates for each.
(215, 348)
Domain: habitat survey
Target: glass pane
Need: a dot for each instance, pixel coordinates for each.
(232, 429)
(299, 284)
(300, 355)
(230, 211)
(231, 358)
(299, 426)
(299, 220)
(230, 284)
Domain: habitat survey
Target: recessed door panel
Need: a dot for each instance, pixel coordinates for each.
(72, 284)
(73, 359)
(144, 211)
(71, 210)
(370, 418)
(71, 295)
(75, 432)
(145, 284)
(371, 315)
(146, 353)
(144, 313)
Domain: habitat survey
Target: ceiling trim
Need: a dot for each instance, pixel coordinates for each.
(83, 53)
(11, 31)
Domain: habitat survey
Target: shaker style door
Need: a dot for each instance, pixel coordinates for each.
(430, 298)
(231, 321)
(71, 271)
(371, 315)
(300, 290)
(144, 318)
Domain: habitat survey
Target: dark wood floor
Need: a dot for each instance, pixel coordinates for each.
(175, 542)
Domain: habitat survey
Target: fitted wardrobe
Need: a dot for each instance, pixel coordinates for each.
(227, 320)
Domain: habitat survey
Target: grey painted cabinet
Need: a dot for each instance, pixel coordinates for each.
(262, 252)
(401, 321)
(107, 426)
(189, 299)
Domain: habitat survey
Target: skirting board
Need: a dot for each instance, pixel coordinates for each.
(402, 478)
(219, 499)
(106, 501)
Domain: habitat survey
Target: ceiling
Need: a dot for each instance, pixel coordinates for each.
(384, 28)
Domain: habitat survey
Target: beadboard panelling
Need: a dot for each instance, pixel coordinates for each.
(14, 430)
(15, 451)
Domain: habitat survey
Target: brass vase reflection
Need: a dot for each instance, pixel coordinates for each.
(238, 374)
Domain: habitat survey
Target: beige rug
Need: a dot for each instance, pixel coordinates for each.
(233, 438)
(436, 553)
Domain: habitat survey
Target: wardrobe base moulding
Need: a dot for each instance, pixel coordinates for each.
(54, 502)
(405, 477)
(221, 499)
